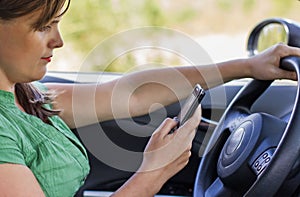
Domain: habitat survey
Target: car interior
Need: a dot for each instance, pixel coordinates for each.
(247, 144)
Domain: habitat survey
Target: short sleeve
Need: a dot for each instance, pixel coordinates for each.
(10, 152)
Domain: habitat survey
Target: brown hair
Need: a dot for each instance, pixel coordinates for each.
(33, 101)
(29, 97)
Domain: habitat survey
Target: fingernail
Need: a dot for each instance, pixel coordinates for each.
(176, 119)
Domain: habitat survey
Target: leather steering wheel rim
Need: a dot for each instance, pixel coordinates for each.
(287, 150)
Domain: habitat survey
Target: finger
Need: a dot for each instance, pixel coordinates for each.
(184, 158)
(287, 51)
(280, 73)
(287, 75)
(166, 127)
(194, 121)
(186, 133)
(284, 50)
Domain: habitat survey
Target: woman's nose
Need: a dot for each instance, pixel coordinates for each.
(56, 40)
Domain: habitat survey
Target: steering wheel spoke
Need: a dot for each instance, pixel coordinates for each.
(218, 189)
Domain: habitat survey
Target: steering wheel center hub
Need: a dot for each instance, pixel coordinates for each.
(235, 141)
(233, 160)
(238, 146)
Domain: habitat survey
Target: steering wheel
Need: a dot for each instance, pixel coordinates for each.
(251, 154)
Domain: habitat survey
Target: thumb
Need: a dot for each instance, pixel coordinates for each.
(284, 74)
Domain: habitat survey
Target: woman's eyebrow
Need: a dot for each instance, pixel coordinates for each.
(55, 21)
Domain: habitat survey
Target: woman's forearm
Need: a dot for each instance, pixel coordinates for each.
(141, 184)
(150, 89)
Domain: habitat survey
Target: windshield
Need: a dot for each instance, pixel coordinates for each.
(220, 27)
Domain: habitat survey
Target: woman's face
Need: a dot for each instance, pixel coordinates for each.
(25, 52)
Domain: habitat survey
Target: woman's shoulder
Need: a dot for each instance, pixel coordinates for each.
(8, 128)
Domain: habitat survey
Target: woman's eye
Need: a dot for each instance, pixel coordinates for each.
(45, 28)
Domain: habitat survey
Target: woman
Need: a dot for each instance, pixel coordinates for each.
(40, 156)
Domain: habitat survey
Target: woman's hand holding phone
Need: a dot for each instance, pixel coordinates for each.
(189, 107)
(167, 153)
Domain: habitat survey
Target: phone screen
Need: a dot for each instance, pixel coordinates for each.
(191, 104)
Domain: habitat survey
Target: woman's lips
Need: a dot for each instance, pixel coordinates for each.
(48, 59)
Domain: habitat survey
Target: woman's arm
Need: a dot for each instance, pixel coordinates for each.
(18, 181)
(141, 92)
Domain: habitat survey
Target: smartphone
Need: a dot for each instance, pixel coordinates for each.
(190, 105)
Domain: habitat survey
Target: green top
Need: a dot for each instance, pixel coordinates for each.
(53, 153)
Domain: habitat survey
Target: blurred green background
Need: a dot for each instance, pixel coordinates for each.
(88, 22)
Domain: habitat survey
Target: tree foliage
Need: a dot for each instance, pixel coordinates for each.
(88, 22)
